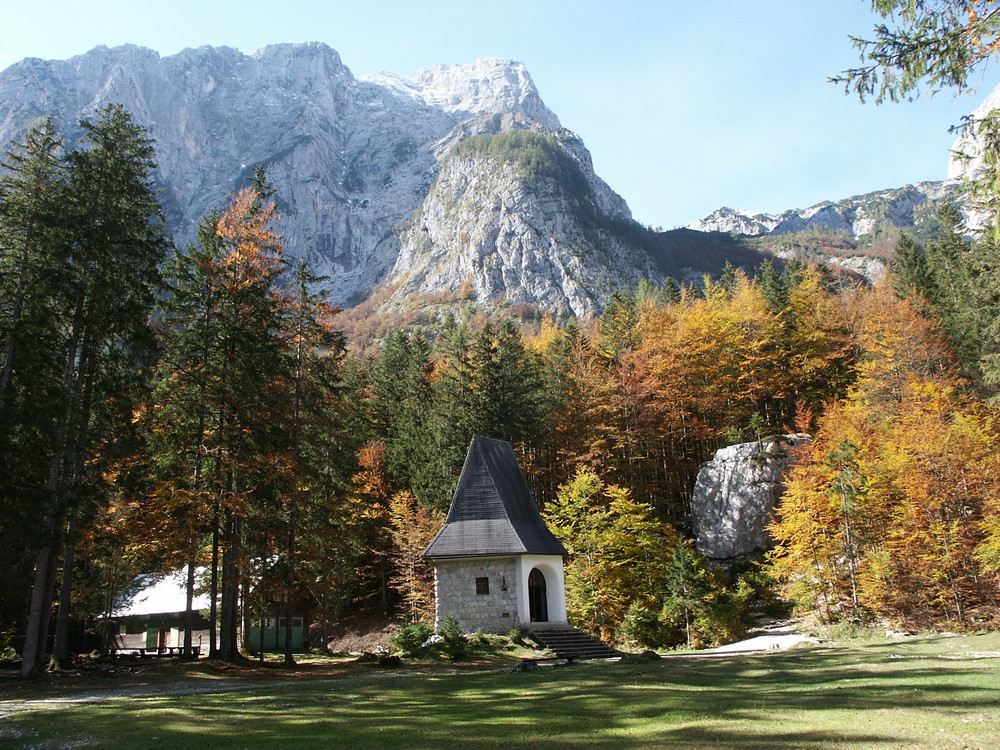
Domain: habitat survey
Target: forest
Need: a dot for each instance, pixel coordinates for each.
(199, 408)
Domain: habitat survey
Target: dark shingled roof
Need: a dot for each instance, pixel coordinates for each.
(492, 511)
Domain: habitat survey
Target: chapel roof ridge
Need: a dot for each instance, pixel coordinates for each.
(492, 511)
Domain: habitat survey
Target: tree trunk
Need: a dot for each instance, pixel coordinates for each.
(36, 635)
(192, 561)
(189, 608)
(39, 610)
(229, 615)
(213, 646)
(60, 647)
(290, 586)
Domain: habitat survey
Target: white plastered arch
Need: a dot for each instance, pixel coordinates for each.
(550, 566)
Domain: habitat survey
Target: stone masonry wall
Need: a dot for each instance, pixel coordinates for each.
(455, 589)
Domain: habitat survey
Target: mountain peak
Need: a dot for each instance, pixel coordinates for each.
(298, 50)
(490, 85)
(858, 215)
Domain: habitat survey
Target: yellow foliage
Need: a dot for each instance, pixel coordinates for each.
(911, 537)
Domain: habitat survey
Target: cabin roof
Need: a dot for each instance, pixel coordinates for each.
(492, 511)
(162, 595)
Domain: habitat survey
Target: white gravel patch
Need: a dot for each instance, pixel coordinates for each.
(772, 642)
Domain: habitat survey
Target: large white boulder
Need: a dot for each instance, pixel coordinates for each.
(735, 494)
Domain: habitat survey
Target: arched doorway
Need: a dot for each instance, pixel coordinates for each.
(538, 602)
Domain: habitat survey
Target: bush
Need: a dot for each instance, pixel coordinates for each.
(411, 637)
(643, 626)
(381, 656)
(516, 636)
(859, 626)
(453, 642)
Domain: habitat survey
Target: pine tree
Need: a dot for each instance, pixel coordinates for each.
(728, 278)
(618, 325)
(315, 451)
(507, 388)
(32, 195)
(451, 423)
(401, 410)
(773, 286)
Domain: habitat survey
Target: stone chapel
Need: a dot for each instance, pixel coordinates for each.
(496, 564)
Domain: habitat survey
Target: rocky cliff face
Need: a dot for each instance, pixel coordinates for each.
(517, 215)
(353, 161)
(861, 222)
(967, 151)
(735, 495)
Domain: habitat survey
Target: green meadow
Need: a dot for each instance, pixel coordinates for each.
(924, 692)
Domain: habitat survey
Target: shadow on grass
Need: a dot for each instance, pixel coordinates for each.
(823, 698)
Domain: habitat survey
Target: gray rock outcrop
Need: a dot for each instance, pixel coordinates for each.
(735, 495)
(866, 218)
(968, 157)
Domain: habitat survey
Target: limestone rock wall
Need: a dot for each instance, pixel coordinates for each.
(735, 495)
(504, 238)
(352, 160)
(857, 216)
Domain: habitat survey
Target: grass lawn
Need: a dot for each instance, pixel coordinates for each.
(924, 692)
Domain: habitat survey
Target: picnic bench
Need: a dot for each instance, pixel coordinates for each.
(159, 651)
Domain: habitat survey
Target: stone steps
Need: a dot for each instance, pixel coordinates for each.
(566, 642)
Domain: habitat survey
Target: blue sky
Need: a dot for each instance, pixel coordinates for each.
(685, 106)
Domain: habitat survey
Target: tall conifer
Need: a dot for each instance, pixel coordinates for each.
(114, 245)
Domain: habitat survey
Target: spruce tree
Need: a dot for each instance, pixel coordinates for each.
(451, 423)
(509, 391)
(247, 436)
(113, 248)
(618, 332)
(772, 284)
(401, 406)
(32, 302)
(315, 441)
(910, 270)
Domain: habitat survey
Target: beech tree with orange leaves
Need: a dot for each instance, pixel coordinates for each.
(413, 527)
(211, 411)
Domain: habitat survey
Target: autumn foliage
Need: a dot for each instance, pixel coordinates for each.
(888, 512)
(257, 445)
